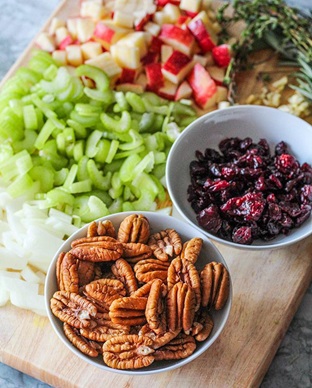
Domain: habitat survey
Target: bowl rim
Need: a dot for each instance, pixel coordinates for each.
(51, 274)
(180, 210)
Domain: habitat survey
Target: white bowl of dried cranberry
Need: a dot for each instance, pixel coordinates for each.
(243, 177)
(118, 310)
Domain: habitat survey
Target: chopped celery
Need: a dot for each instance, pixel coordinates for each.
(97, 75)
(88, 151)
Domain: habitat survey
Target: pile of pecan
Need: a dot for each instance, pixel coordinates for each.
(135, 297)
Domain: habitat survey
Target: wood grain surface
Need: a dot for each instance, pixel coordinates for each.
(267, 286)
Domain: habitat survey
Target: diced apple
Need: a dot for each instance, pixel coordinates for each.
(177, 67)
(127, 76)
(106, 62)
(72, 27)
(222, 93)
(140, 20)
(168, 91)
(162, 3)
(92, 9)
(192, 6)
(60, 34)
(74, 55)
(165, 53)
(107, 33)
(183, 91)
(60, 57)
(85, 28)
(150, 57)
(178, 38)
(91, 50)
(222, 55)
(55, 24)
(126, 56)
(216, 73)
(161, 18)
(154, 76)
(203, 86)
(152, 28)
(68, 40)
(135, 39)
(205, 40)
(129, 87)
(182, 21)
(173, 12)
(155, 45)
(123, 19)
(46, 42)
(200, 59)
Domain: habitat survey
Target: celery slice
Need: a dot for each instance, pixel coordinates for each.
(135, 101)
(122, 125)
(126, 172)
(97, 75)
(44, 175)
(92, 142)
(44, 134)
(30, 117)
(98, 180)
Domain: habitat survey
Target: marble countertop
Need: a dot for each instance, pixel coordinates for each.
(292, 366)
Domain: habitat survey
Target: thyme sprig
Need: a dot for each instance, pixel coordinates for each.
(285, 29)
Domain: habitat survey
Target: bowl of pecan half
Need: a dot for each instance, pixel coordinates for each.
(138, 293)
(243, 177)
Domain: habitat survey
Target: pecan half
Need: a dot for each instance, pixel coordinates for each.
(206, 325)
(106, 331)
(73, 309)
(181, 270)
(180, 307)
(67, 272)
(124, 272)
(101, 228)
(89, 348)
(103, 292)
(150, 269)
(95, 249)
(134, 228)
(86, 272)
(215, 285)
(180, 347)
(155, 311)
(144, 290)
(134, 252)
(191, 249)
(165, 244)
(159, 340)
(128, 311)
(128, 352)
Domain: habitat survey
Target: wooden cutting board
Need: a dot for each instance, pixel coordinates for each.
(268, 287)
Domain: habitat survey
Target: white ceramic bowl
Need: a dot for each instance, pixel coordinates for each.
(240, 121)
(158, 221)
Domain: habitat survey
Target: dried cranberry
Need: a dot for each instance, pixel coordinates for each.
(210, 219)
(306, 194)
(242, 235)
(286, 164)
(281, 148)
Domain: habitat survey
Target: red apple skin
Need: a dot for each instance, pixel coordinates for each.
(182, 19)
(103, 32)
(155, 45)
(170, 33)
(139, 26)
(155, 79)
(127, 76)
(222, 55)
(201, 35)
(150, 57)
(162, 3)
(203, 86)
(176, 62)
(66, 42)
